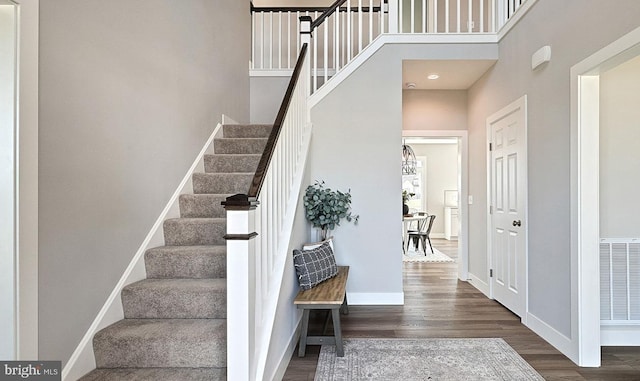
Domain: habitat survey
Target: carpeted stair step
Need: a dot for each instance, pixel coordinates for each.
(220, 163)
(155, 343)
(202, 205)
(193, 262)
(239, 145)
(246, 131)
(175, 299)
(164, 374)
(194, 231)
(221, 183)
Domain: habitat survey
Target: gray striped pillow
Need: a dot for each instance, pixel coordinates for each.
(314, 266)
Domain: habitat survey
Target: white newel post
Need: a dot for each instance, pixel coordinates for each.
(306, 34)
(393, 16)
(240, 291)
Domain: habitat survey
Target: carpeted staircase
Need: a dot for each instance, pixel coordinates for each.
(175, 320)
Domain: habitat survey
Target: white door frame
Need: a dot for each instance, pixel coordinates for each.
(585, 178)
(519, 104)
(8, 177)
(26, 182)
(463, 179)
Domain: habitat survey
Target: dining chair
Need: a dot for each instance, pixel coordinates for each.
(423, 234)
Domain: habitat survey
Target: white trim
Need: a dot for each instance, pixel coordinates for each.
(524, 8)
(27, 180)
(620, 335)
(82, 360)
(283, 362)
(548, 333)
(585, 290)
(375, 298)
(478, 283)
(463, 186)
(437, 235)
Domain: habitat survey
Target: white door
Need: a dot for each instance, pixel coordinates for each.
(508, 176)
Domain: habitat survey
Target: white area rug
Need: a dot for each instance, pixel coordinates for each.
(424, 359)
(418, 256)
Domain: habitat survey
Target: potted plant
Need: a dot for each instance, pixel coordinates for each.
(405, 198)
(325, 208)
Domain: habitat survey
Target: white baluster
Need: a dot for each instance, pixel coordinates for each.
(279, 40)
(435, 16)
(349, 15)
(470, 18)
(325, 46)
(336, 40)
(458, 30)
(262, 41)
(446, 15)
(289, 40)
(270, 40)
(370, 21)
(481, 12)
(359, 26)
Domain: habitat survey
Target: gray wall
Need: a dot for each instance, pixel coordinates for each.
(129, 93)
(356, 145)
(266, 97)
(574, 29)
(619, 154)
(434, 110)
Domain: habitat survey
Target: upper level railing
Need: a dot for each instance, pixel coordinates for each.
(345, 28)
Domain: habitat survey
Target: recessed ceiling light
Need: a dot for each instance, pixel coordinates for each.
(410, 85)
(433, 76)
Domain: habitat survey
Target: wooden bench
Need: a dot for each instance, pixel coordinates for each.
(328, 295)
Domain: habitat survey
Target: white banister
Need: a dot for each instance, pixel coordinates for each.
(259, 228)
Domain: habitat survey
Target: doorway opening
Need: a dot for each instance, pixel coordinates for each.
(440, 187)
(595, 124)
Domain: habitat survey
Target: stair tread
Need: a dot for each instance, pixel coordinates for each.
(152, 343)
(176, 298)
(203, 284)
(218, 249)
(164, 374)
(173, 262)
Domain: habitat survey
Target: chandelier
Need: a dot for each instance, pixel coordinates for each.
(409, 161)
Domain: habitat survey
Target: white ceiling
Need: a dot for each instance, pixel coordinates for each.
(454, 74)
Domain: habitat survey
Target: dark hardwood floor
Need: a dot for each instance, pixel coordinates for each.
(438, 305)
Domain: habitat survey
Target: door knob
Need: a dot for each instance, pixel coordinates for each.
(517, 223)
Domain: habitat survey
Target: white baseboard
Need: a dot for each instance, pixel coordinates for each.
(552, 336)
(620, 335)
(278, 373)
(375, 299)
(82, 359)
(479, 284)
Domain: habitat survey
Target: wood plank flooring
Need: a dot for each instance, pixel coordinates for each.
(438, 305)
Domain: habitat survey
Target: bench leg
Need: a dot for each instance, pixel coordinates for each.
(345, 306)
(302, 347)
(337, 332)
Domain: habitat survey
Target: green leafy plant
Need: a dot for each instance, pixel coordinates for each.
(325, 208)
(406, 196)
